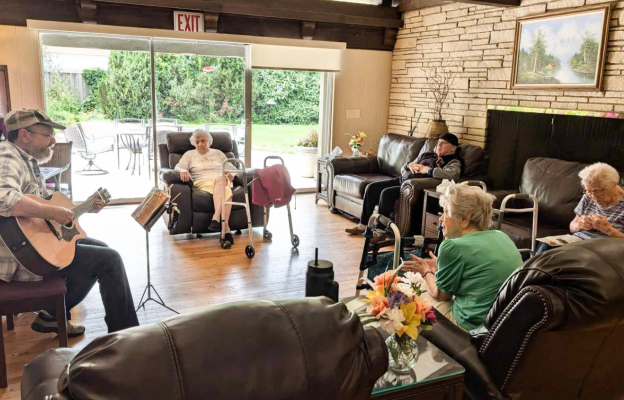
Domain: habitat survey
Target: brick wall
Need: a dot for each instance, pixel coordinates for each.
(478, 42)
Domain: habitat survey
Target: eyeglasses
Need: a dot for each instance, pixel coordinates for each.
(593, 192)
(50, 137)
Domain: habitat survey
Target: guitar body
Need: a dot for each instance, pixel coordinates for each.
(42, 247)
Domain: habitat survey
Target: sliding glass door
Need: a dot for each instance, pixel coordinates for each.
(120, 96)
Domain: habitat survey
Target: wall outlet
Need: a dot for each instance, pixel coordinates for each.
(353, 114)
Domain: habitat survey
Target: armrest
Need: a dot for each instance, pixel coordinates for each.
(348, 165)
(411, 191)
(353, 165)
(456, 343)
(170, 177)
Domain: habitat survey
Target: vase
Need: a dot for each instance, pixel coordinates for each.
(437, 128)
(356, 151)
(403, 353)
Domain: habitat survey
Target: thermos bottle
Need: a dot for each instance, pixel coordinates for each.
(320, 279)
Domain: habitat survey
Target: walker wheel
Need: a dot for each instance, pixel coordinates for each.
(249, 251)
(295, 241)
(238, 232)
(225, 244)
(268, 235)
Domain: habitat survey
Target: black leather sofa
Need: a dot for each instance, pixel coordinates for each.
(310, 348)
(197, 207)
(554, 332)
(349, 176)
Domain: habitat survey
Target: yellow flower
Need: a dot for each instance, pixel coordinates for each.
(362, 134)
(412, 321)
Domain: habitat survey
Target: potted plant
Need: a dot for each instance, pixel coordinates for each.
(307, 150)
(440, 82)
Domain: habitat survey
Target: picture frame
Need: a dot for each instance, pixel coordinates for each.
(561, 50)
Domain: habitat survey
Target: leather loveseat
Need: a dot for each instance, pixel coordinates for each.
(310, 348)
(558, 189)
(555, 330)
(349, 176)
(197, 207)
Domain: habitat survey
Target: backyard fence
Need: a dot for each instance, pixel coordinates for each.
(73, 80)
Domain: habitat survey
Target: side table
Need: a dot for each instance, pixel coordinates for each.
(321, 180)
(431, 213)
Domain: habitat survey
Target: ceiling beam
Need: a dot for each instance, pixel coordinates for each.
(410, 5)
(308, 10)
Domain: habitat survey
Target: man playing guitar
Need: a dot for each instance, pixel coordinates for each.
(30, 142)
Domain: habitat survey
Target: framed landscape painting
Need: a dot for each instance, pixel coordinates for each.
(563, 50)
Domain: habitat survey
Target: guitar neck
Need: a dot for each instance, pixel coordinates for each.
(85, 207)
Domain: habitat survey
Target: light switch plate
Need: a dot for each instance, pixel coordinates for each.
(353, 114)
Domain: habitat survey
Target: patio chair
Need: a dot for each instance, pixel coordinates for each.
(88, 147)
(62, 159)
(135, 143)
(126, 125)
(163, 121)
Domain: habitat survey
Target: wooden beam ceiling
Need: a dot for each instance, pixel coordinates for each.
(306, 10)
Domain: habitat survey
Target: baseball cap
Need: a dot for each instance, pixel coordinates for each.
(22, 119)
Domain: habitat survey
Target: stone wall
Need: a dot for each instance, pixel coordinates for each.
(478, 41)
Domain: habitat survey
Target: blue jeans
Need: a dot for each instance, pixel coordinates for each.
(96, 262)
(544, 247)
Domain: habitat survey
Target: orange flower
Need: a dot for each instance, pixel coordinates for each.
(422, 307)
(385, 277)
(378, 304)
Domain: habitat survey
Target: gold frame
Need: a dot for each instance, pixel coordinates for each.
(597, 85)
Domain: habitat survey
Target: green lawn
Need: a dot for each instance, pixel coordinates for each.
(277, 138)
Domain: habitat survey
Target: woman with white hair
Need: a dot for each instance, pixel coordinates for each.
(204, 166)
(600, 213)
(473, 262)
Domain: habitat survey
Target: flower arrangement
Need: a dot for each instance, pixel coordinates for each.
(396, 303)
(310, 140)
(356, 140)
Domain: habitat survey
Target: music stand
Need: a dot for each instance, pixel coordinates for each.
(150, 210)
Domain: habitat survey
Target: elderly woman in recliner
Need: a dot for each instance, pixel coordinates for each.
(473, 262)
(204, 166)
(600, 213)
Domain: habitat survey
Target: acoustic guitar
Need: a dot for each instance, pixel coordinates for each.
(44, 246)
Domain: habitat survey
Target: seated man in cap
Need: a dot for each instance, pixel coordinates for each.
(441, 163)
(30, 141)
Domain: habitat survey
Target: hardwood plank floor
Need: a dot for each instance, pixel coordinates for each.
(192, 274)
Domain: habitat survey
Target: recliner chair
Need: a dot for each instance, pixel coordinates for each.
(554, 331)
(196, 206)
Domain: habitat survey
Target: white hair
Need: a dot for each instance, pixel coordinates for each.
(462, 201)
(201, 132)
(601, 175)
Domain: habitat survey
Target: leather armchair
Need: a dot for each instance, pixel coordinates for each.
(309, 348)
(348, 177)
(554, 331)
(197, 207)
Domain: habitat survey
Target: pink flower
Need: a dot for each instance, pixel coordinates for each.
(422, 307)
(431, 316)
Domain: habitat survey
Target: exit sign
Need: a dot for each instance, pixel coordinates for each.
(188, 21)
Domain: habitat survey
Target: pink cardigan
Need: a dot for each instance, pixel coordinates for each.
(273, 188)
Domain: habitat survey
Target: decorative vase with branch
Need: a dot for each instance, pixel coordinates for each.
(440, 82)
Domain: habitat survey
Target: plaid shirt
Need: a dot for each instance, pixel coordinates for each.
(19, 175)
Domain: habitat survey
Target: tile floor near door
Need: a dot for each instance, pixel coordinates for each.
(192, 274)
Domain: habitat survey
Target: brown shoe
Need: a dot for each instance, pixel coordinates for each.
(379, 236)
(356, 230)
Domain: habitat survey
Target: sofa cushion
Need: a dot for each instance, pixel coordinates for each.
(354, 185)
(556, 185)
(472, 158)
(397, 150)
(179, 142)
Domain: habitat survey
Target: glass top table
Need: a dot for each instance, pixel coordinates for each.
(432, 365)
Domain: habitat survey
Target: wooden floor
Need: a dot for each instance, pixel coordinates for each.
(192, 274)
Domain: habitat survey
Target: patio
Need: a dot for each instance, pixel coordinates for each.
(124, 184)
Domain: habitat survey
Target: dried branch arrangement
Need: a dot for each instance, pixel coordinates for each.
(440, 82)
